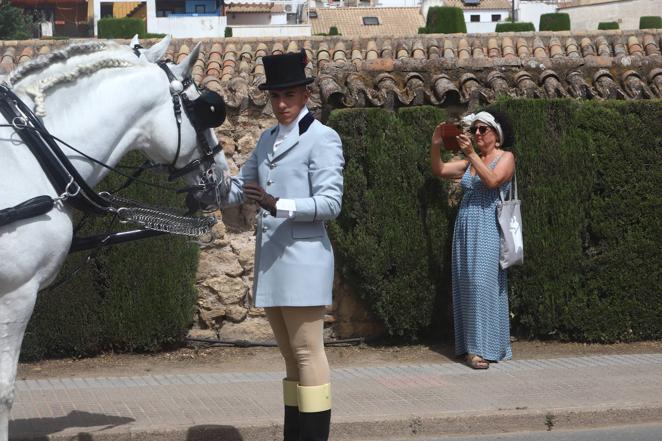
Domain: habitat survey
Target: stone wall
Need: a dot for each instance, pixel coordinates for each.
(225, 272)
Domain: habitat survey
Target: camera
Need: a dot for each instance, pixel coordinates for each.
(449, 133)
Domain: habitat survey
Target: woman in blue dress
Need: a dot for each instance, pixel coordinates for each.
(480, 286)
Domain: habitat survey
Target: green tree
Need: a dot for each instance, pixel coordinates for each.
(445, 20)
(14, 24)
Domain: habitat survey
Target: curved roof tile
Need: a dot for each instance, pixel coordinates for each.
(456, 69)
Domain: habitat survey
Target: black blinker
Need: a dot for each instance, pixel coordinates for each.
(209, 110)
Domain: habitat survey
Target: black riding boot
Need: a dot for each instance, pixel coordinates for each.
(314, 412)
(291, 421)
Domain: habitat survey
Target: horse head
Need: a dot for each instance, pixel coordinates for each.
(198, 156)
(109, 99)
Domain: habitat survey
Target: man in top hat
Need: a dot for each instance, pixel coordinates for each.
(295, 175)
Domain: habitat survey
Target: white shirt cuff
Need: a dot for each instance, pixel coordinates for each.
(286, 208)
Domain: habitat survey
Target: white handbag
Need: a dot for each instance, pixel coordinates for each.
(509, 217)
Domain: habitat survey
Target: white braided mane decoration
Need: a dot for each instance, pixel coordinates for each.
(62, 55)
(60, 67)
(37, 90)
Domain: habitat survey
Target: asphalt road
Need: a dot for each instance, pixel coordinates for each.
(648, 432)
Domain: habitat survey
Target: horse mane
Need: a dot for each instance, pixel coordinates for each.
(47, 60)
(66, 73)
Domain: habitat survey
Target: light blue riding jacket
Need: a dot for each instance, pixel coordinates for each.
(293, 256)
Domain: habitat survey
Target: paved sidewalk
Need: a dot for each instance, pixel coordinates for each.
(369, 402)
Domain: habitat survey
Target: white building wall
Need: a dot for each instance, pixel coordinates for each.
(531, 12)
(188, 27)
(397, 3)
(625, 12)
(303, 30)
(256, 19)
(485, 24)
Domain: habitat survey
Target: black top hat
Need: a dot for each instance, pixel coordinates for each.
(285, 71)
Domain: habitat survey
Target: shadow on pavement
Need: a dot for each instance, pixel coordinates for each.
(213, 432)
(38, 429)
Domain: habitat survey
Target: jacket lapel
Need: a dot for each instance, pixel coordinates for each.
(284, 147)
(269, 143)
(287, 144)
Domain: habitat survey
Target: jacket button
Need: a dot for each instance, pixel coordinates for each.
(272, 165)
(265, 214)
(269, 182)
(264, 229)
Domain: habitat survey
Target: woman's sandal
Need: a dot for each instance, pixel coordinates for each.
(476, 361)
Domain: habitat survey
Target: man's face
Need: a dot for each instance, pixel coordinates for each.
(287, 103)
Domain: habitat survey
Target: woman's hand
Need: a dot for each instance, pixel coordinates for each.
(437, 140)
(465, 144)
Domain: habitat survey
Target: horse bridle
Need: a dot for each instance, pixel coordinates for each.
(204, 112)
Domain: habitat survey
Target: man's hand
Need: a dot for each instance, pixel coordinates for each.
(254, 192)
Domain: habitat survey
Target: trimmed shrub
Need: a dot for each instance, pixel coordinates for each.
(592, 269)
(125, 27)
(14, 24)
(650, 22)
(422, 30)
(391, 236)
(137, 296)
(228, 32)
(333, 30)
(558, 21)
(608, 25)
(515, 27)
(588, 176)
(445, 20)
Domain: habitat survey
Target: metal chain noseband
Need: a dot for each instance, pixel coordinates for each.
(159, 219)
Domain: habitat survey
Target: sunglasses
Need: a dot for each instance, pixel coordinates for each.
(480, 129)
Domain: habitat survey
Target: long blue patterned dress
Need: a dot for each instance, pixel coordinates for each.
(480, 286)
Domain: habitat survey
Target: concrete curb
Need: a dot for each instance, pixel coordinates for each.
(465, 423)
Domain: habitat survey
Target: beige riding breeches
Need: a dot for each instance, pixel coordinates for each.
(299, 334)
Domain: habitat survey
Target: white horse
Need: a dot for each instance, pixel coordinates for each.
(105, 100)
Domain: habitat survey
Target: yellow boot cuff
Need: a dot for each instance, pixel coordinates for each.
(290, 393)
(314, 398)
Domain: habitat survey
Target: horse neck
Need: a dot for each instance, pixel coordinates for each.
(105, 116)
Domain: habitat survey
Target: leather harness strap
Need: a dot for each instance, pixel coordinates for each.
(60, 171)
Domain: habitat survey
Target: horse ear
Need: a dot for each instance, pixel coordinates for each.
(183, 69)
(134, 42)
(157, 51)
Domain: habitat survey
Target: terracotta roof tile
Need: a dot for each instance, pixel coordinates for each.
(467, 70)
(393, 22)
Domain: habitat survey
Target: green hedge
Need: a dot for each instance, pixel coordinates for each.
(391, 236)
(228, 32)
(125, 27)
(608, 25)
(444, 20)
(137, 296)
(515, 27)
(650, 22)
(588, 175)
(557, 21)
(14, 23)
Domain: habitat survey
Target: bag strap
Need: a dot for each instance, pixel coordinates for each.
(511, 194)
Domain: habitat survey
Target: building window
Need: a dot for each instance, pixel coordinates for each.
(200, 9)
(106, 10)
(474, 18)
(496, 17)
(370, 21)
